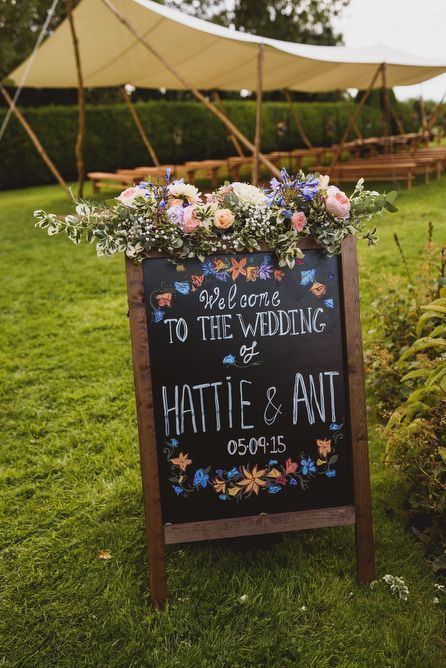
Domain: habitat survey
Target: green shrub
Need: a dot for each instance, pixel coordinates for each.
(179, 131)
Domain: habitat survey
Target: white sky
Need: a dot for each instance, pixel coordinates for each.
(415, 26)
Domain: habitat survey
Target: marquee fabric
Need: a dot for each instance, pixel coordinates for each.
(207, 55)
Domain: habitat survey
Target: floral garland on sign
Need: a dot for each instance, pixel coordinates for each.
(241, 482)
(174, 218)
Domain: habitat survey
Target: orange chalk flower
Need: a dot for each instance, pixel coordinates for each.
(252, 273)
(324, 446)
(290, 467)
(252, 481)
(238, 268)
(164, 299)
(278, 274)
(219, 265)
(219, 485)
(182, 461)
(318, 289)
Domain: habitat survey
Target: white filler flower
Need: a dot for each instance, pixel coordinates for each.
(180, 189)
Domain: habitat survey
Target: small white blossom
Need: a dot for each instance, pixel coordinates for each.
(243, 598)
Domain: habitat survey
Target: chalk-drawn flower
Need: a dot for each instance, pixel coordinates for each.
(201, 478)
(290, 466)
(228, 360)
(323, 446)
(281, 480)
(335, 427)
(329, 303)
(307, 277)
(223, 497)
(278, 274)
(219, 264)
(177, 489)
(207, 268)
(198, 280)
(293, 481)
(318, 289)
(184, 288)
(219, 485)
(174, 442)
(221, 276)
(252, 481)
(233, 473)
(252, 273)
(307, 466)
(274, 473)
(181, 461)
(233, 491)
(331, 473)
(238, 268)
(265, 270)
(165, 299)
(273, 489)
(158, 315)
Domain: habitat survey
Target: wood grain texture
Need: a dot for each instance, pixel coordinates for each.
(259, 524)
(358, 417)
(146, 431)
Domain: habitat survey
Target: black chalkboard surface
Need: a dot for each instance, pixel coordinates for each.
(249, 383)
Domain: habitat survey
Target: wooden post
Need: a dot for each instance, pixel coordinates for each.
(385, 107)
(353, 119)
(436, 113)
(189, 86)
(140, 128)
(146, 431)
(358, 416)
(297, 121)
(32, 135)
(258, 132)
(232, 137)
(79, 150)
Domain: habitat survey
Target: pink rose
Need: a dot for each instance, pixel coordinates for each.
(337, 203)
(224, 218)
(299, 220)
(190, 221)
(128, 195)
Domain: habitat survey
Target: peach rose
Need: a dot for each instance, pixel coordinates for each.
(337, 203)
(174, 202)
(190, 221)
(223, 219)
(128, 196)
(299, 220)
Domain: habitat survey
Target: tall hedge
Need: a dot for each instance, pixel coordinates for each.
(179, 131)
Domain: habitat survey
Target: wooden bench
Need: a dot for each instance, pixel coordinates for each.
(425, 166)
(375, 171)
(111, 180)
(211, 168)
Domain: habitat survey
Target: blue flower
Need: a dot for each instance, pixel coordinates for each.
(158, 315)
(219, 472)
(177, 489)
(329, 303)
(228, 360)
(233, 473)
(293, 481)
(274, 489)
(331, 276)
(336, 427)
(287, 213)
(265, 269)
(174, 442)
(274, 183)
(273, 461)
(184, 288)
(223, 497)
(331, 473)
(168, 174)
(307, 466)
(221, 276)
(207, 268)
(307, 277)
(201, 478)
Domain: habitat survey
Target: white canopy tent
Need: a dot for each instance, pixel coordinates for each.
(148, 45)
(207, 55)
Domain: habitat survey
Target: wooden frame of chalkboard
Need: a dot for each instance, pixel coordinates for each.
(358, 514)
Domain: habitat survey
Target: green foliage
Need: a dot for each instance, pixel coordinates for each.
(179, 131)
(304, 21)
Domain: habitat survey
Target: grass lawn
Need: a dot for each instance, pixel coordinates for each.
(70, 486)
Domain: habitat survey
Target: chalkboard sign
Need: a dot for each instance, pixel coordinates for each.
(246, 418)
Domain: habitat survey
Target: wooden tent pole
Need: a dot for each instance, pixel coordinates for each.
(385, 107)
(436, 113)
(140, 128)
(297, 121)
(358, 132)
(258, 132)
(353, 120)
(232, 137)
(79, 150)
(32, 135)
(195, 92)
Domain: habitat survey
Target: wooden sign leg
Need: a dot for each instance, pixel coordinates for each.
(358, 417)
(146, 429)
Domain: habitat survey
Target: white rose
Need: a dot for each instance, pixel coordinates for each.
(248, 194)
